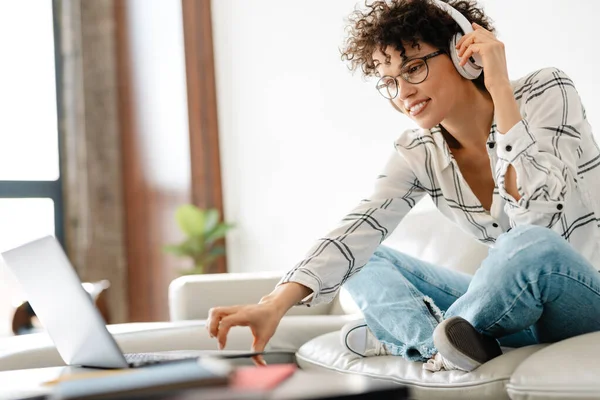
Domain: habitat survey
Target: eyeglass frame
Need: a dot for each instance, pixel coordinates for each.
(424, 58)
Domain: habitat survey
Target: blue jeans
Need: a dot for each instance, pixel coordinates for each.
(533, 287)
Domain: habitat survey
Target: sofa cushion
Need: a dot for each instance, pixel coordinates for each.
(488, 381)
(567, 369)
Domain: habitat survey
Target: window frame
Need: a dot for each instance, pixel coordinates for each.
(38, 189)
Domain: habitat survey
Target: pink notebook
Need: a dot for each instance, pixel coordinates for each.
(261, 378)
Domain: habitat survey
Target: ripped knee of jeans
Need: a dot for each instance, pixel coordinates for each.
(420, 352)
(433, 309)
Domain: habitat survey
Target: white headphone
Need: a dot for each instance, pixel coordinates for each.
(471, 70)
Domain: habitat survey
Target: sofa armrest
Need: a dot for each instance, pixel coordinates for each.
(190, 297)
(37, 350)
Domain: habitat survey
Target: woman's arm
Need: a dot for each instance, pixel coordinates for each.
(507, 115)
(538, 144)
(537, 168)
(341, 253)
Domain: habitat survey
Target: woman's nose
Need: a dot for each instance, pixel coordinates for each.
(405, 89)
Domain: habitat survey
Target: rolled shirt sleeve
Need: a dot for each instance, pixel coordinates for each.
(345, 250)
(542, 148)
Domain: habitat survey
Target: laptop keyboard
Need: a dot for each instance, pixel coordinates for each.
(140, 359)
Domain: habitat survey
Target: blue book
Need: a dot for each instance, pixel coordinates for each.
(186, 374)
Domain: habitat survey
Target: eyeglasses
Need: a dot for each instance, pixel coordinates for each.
(412, 71)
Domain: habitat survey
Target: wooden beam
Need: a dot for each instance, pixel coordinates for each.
(89, 128)
(202, 107)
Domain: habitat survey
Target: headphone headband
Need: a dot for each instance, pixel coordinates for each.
(460, 19)
(472, 69)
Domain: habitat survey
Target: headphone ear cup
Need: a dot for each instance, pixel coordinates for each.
(470, 70)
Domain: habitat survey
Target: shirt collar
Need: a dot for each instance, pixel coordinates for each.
(442, 145)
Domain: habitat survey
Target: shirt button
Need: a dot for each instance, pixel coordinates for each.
(491, 145)
(495, 225)
(560, 206)
(508, 148)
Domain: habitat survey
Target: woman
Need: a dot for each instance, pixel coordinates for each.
(511, 162)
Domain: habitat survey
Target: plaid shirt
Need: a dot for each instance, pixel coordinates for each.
(556, 159)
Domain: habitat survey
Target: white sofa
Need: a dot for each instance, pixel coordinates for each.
(563, 370)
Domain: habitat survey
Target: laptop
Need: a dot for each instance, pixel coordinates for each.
(67, 311)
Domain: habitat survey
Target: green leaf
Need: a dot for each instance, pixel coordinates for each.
(212, 220)
(217, 233)
(201, 228)
(196, 246)
(191, 220)
(217, 250)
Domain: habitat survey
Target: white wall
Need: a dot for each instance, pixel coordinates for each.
(559, 33)
(302, 139)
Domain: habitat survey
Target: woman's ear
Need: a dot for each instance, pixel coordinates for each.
(396, 107)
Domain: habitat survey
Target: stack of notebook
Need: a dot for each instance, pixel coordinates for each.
(216, 375)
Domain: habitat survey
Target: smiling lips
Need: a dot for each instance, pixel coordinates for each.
(417, 108)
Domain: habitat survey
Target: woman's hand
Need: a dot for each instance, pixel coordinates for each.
(491, 50)
(262, 319)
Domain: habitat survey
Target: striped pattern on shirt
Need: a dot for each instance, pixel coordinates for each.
(554, 154)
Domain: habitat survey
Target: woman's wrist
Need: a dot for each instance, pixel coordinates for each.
(285, 296)
(506, 109)
(500, 87)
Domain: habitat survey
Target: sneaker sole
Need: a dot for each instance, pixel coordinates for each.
(348, 347)
(455, 339)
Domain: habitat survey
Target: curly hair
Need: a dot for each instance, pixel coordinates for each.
(395, 22)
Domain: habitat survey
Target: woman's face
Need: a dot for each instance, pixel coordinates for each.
(429, 102)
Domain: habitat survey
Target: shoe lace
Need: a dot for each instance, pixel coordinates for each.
(381, 349)
(438, 363)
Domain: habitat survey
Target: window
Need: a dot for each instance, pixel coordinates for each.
(31, 202)
(30, 180)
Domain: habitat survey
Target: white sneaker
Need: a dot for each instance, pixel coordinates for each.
(438, 363)
(358, 338)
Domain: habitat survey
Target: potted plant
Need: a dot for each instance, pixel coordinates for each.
(202, 229)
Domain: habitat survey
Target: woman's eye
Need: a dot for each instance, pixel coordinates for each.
(387, 82)
(414, 69)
